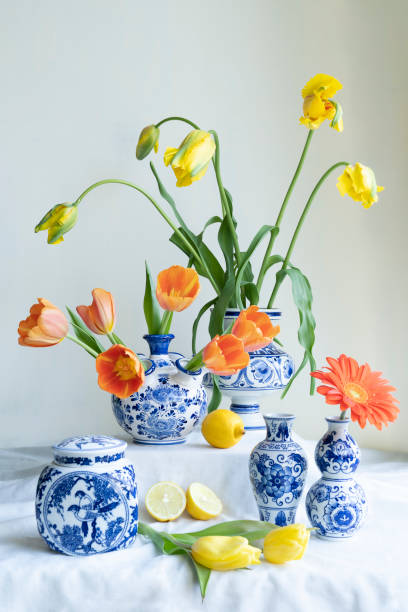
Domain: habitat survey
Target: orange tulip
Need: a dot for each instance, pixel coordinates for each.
(177, 287)
(254, 328)
(45, 326)
(225, 355)
(100, 315)
(119, 371)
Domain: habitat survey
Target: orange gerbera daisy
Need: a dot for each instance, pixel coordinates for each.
(119, 371)
(359, 388)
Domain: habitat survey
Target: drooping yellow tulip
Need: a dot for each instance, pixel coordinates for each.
(148, 140)
(224, 553)
(190, 161)
(286, 544)
(58, 221)
(317, 105)
(359, 183)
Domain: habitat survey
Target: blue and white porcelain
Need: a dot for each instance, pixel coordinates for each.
(171, 403)
(277, 470)
(268, 372)
(336, 504)
(86, 500)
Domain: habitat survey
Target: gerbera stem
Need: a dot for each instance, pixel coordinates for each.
(85, 346)
(279, 277)
(343, 415)
(264, 266)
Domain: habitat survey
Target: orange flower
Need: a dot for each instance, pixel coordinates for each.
(45, 326)
(119, 371)
(100, 315)
(177, 288)
(225, 355)
(358, 388)
(254, 328)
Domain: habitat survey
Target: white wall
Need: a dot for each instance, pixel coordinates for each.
(79, 81)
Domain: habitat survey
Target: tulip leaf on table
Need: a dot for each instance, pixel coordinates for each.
(83, 334)
(150, 305)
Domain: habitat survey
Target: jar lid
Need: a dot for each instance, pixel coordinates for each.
(89, 450)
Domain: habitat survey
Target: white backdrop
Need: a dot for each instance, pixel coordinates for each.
(79, 81)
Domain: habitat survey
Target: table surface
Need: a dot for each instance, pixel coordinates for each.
(365, 574)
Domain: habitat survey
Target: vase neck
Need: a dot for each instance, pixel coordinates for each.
(158, 343)
(337, 424)
(279, 427)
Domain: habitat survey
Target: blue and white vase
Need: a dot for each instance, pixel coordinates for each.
(171, 403)
(268, 372)
(86, 500)
(336, 504)
(277, 470)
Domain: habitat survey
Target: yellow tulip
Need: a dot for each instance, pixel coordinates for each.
(190, 161)
(359, 183)
(148, 140)
(317, 105)
(58, 221)
(224, 552)
(286, 543)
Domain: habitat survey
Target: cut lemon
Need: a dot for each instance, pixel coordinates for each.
(165, 501)
(202, 503)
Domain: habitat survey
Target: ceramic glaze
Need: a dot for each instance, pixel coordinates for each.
(269, 371)
(171, 403)
(86, 500)
(277, 470)
(336, 504)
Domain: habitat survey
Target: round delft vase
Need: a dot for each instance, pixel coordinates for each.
(171, 403)
(277, 470)
(336, 504)
(269, 370)
(86, 500)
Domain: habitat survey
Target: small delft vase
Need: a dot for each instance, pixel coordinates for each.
(336, 504)
(171, 403)
(269, 370)
(277, 470)
(86, 500)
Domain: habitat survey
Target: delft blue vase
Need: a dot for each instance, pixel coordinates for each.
(277, 470)
(171, 403)
(336, 504)
(86, 501)
(269, 371)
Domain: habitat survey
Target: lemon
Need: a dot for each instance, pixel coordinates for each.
(202, 503)
(165, 501)
(222, 428)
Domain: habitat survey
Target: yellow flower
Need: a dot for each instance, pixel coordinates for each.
(286, 543)
(190, 161)
(148, 140)
(359, 183)
(224, 552)
(317, 105)
(58, 221)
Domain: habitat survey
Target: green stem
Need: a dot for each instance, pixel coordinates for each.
(166, 322)
(111, 338)
(155, 204)
(343, 415)
(224, 201)
(272, 239)
(177, 119)
(85, 346)
(306, 209)
(195, 362)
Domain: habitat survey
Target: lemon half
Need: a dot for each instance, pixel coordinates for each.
(165, 501)
(202, 503)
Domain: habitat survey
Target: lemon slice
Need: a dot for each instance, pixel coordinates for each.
(165, 501)
(202, 503)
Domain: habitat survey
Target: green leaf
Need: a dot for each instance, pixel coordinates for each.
(83, 333)
(197, 321)
(251, 292)
(150, 305)
(303, 298)
(216, 323)
(216, 395)
(203, 575)
(210, 221)
(226, 243)
(166, 196)
(117, 339)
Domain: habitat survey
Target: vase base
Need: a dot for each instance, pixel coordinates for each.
(251, 416)
(345, 538)
(159, 442)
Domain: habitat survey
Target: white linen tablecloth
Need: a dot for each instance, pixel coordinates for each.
(366, 574)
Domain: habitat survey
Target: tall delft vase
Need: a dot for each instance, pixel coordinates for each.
(268, 372)
(277, 470)
(336, 504)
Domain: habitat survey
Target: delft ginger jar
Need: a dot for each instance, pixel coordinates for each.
(86, 500)
(336, 504)
(277, 470)
(269, 371)
(171, 403)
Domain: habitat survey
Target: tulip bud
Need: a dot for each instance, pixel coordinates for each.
(58, 221)
(148, 140)
(286, 543)
(225, 552)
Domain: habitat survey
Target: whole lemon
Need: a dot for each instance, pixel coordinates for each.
(222, 428)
